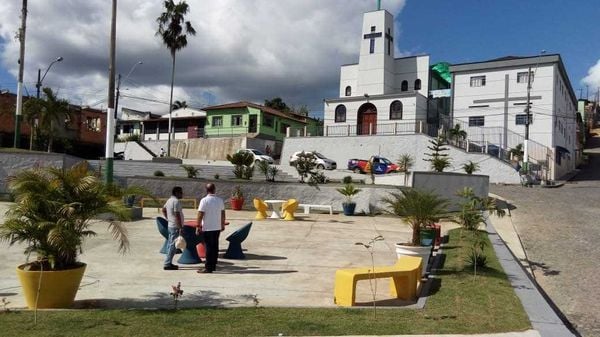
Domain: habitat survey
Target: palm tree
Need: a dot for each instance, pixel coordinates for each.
(179, 105)
(53, 210)
(52, 112)
(418, 208)
(406, 161)
(31, 110)
(470, 167)
(171, 27)
(456, 134)
(517, 152)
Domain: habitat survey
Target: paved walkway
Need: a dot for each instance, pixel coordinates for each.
(560, 230)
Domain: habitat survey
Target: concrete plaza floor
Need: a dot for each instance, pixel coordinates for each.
(288, 263)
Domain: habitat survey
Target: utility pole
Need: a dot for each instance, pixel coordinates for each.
(110, 120)
(527, 121)
(18, 112)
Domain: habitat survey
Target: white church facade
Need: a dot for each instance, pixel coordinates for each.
(380, 94)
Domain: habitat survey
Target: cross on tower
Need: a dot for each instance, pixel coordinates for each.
(372, 36)
(390, 39)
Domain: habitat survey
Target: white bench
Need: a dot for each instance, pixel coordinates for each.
(307, 208)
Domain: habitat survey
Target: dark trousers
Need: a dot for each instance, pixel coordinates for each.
(211, 242)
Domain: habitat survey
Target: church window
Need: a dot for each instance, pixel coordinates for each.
(477, 121)
(340, 113)
(404, 86)
(396, 110)
(417, 84)
(478, 81)
(348, 91)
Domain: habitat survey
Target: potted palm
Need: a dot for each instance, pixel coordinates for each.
(237, 198)
(51, 216)
(421, 210)
(349, 191)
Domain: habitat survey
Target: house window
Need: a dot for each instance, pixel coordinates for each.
(236, 120)
(521, 119)
(522, 77)
(417, 84)
(217, 121)
(268, 121)
(404, 86)
(348, 91)
(478, 81)
(396, 110)
(340, 113)
(476, 121)
(93, 124)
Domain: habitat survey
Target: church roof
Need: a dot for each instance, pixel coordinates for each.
(266, 109)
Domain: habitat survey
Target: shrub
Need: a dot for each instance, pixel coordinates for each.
(470, 167)
(438, 159)
(306, 166)
(470, 216)
(243, 164)
(159, 173)
(191, 171)
(217, 176)
(347, 180)
(267, 170)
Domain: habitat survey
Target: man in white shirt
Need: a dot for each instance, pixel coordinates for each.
(211, 221)
(173, 212)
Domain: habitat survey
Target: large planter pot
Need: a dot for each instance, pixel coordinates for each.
(349, 208)
(57, 290)
(423, 251)
(427, 236)
(237, 204)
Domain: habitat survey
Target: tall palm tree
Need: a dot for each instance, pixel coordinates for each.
(171, 27)
(52, 113)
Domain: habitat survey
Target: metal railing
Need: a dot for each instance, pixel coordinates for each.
(389, 128)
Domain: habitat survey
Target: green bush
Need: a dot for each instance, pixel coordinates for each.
(347, 180)
(159, 173)
(191, 171)
(243, 164)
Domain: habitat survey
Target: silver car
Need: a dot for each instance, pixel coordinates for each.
(323, 163)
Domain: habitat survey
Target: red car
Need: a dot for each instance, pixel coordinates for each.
(380, 165)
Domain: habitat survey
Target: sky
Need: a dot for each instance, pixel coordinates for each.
(259, 49)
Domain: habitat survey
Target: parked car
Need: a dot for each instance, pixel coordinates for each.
(381, 165)
(258, 155)
(323, 163)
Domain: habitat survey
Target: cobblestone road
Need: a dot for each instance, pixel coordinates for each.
(560, 230)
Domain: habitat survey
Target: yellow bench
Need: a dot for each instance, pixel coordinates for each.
(405, 278)
(161, 201)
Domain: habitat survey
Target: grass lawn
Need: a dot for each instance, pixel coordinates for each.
(461, 303)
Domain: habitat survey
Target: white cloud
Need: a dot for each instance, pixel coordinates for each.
(593, 77)
(243, 50)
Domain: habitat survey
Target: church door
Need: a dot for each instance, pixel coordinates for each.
(367, 120)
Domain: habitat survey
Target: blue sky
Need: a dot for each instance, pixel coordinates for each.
(471, 30)
(287, 48)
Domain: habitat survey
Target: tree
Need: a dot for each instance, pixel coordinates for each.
(278, 104)
(405, 162)
(301, 110)
(517, 152)
(438, 159)
(51, 113)
(243, 164)
(179, 105)
(31, 110)
(171, 27)
(456, 134)
(470, 167)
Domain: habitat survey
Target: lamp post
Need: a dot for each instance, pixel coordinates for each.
(40, 79)
(119, 85)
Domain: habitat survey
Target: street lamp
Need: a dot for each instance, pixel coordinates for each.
(119, 85)
(38, 84)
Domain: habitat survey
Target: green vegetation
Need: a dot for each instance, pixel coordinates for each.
(438, 158)
(463, 304)
(192, 172)
(243, 164)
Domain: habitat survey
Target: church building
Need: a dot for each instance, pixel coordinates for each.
(380, 94)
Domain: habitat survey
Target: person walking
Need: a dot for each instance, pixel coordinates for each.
(173, 212)
(211, 221)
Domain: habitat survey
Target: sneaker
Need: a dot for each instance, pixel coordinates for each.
(204, 271)
(171, 267)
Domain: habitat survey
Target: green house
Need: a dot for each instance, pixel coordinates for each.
(245, 118)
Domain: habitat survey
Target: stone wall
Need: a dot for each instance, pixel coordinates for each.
(13, 162)
(368, 199)
(447, 185)
(341, 149)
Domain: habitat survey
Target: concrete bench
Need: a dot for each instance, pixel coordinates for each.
(307, 208)
(405, 280)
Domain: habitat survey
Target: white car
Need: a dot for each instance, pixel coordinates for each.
(259, 156)
(323, 163)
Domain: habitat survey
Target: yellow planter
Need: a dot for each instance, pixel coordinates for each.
(58, 288)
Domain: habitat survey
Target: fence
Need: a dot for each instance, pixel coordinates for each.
(394, 128)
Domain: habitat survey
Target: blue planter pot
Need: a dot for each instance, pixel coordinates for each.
(349, 208)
